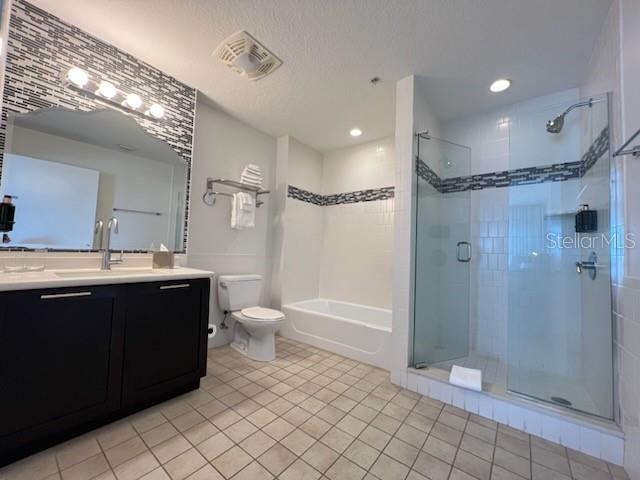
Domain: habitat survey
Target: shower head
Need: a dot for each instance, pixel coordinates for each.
(555, 125)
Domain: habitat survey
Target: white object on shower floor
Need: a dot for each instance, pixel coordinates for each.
(466, 378)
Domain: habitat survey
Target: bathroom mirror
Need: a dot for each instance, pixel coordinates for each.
(69, 170)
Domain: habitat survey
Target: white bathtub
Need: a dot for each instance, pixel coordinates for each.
(356, 331)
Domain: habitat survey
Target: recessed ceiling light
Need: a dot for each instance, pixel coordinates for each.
(355, 132)
(500, 85)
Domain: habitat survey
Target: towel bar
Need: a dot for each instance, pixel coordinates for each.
(209, 197)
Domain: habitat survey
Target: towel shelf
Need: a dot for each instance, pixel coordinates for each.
(209, 197)
(623, 150)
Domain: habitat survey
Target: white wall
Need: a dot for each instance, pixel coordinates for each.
(303, 226)
(222, 147)
(356, 262)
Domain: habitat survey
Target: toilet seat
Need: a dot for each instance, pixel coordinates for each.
(260, 313)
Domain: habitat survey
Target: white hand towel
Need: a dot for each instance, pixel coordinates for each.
(242, 211)
(466, 378)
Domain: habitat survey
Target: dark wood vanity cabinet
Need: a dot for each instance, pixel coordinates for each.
(72, 359)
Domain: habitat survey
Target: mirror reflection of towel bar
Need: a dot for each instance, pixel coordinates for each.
(130, 210)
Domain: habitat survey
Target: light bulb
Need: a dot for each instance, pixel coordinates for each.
(78, 77)
(107, 89)
(355, 132)
(156, 111)
(500, 85)
(134, 101)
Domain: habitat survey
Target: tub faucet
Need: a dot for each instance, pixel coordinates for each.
(107, 261)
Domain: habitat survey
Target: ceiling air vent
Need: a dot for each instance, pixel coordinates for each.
(245, 55)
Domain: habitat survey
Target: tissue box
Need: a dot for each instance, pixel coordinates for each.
(163, 259)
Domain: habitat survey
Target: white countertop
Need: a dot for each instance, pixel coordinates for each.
(82, 277)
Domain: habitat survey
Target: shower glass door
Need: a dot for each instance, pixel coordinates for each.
(559, 334)
(443, 254)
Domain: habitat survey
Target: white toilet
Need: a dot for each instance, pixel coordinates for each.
(255, 328)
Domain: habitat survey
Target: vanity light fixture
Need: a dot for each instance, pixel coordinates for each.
(78, 77)
(106, 92)
(156, 111)
(134, 101)
(355, 132)
(500, 85)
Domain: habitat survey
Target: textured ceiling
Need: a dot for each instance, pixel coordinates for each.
(331, 48)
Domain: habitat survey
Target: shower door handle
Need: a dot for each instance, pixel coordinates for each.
(459, 247)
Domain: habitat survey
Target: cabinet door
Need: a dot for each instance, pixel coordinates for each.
(165, 339)
(60, 361)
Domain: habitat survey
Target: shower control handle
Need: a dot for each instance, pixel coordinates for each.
(459, 256)
(590, 265)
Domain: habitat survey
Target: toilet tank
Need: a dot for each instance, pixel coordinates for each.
(236, 292)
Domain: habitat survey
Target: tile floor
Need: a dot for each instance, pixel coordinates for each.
(309, 415)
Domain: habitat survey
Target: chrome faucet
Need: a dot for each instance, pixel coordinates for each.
(107, 261)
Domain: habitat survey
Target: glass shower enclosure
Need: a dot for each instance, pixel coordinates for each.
(556, 246)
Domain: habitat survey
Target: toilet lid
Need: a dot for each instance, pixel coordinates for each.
(260, 313)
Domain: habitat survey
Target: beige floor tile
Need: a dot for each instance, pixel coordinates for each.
(206, 473)
(115, 433)
(187, 420)
(481, 432)
(453, 421)
(499, 473)
(584, 459)
(225, 419)
(296, 416)
(326, 395)
(136, 467)
(375, 438)
(431, 467)
(312, 405)
(396, 411)
(35, 467)
(361, 454)
(386, 423)
(212, 408)
(125, 451)
(446, 433)
(389, 469)
(315, 427)
(199, 433)
(413, 475)
(185, 464)
(320, 457)
(231, 461)
(547, 445)
(512, 462)
(343, 403)
(581, 471)
(215, 445)
(299, 470)
(262, 417)
(175, 408)
(457, 474)
(76, 450)
(232, 399)
(411, 435)
(540, 472)
(278, 429)
(337, 439)
(159, 434)
(374, 402)
(280, 406)
(258, 443)
(351, 425)
(330, 414)
(440, 449)
(276, 459)
(345, 469)
(87, 469)
(420, 422)
(549, 459)
(240, 430)
(296, 396)
(298, 441)
(515, 445)
(478, 447)
(171, 448)
(157, 474)
(146, 420)
(401, 451)
(253, 471)
(474, 466)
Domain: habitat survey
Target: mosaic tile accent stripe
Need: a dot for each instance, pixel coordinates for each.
(357, 196)
(558, 172)
(41, 47)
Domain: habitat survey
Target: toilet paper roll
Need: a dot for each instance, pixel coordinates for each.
(211, 330)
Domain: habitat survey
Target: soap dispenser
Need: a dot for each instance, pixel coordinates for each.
(586, 220)
(7, 213)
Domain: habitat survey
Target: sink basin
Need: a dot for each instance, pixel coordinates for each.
(104, 273)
